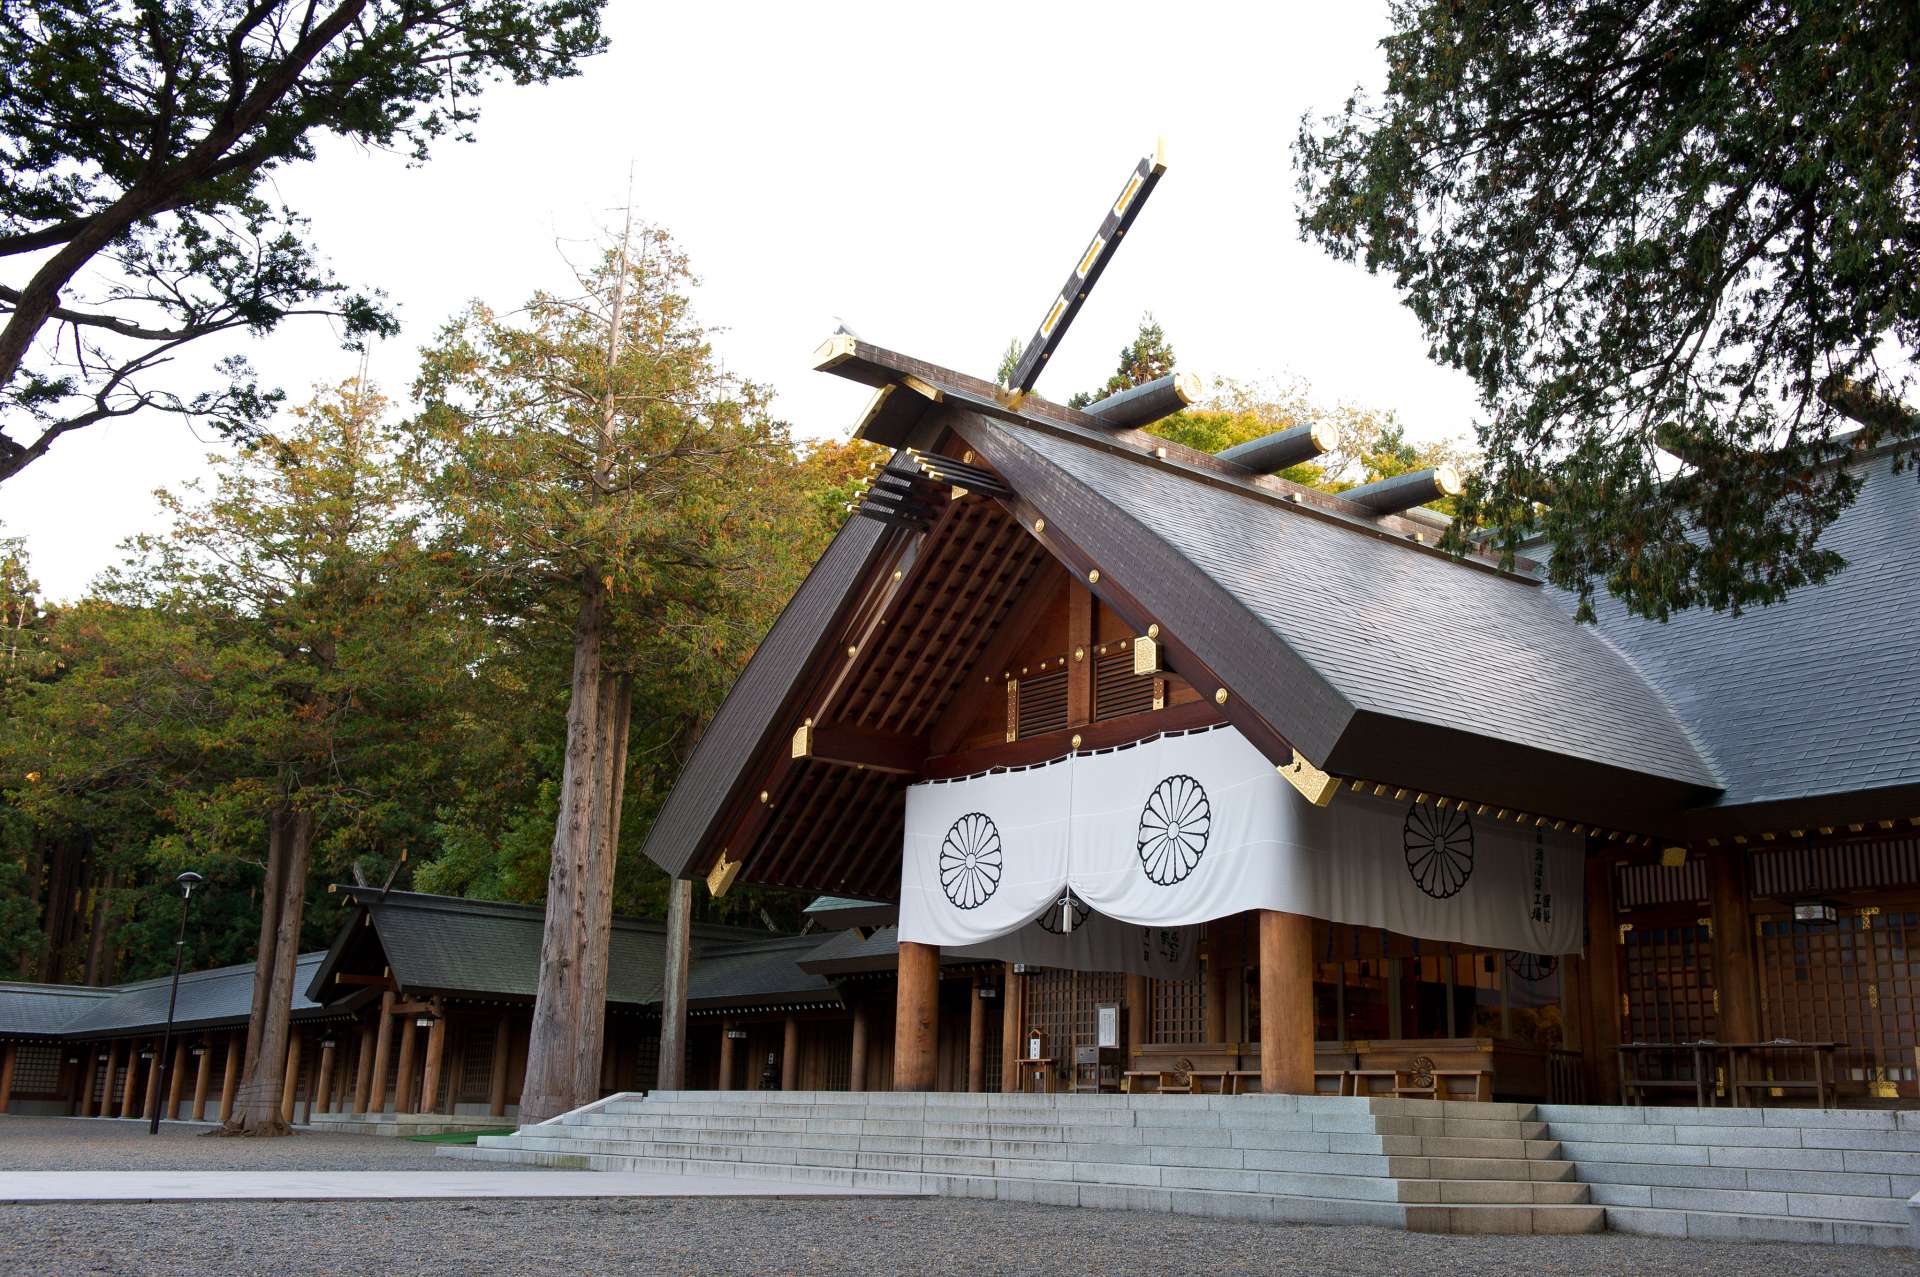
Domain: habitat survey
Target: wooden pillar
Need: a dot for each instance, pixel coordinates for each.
(113, 1074)
(790, 1055)
(673, 998)
(976, 1039)
(726, 1056)
(1013, 1033)
(130, 1085)
(6, 1074)
(92, 1068)
(363, 1068)
(151, 1106)
(857, 1069)
(1603, 981)
(291, 1082)
(1286, 1003)
(176, 1080)
(236, 1049)
(430, 1075)
(1734, 983)
(497, 1078)
(382, 1052)
(202, 1075)
(916, 1024)
(1139, 1010)
(1214, 997)
(407, 1074)
(326, 1074)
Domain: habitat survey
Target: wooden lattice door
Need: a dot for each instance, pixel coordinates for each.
(1854, 980)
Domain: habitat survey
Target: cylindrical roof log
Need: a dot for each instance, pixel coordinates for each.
(1404, 491)
(1144, 405)
(1272, 453)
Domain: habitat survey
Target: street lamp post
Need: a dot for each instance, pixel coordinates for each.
(187, 882)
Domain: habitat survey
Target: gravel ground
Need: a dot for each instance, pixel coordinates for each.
(93, 1144)
(709, 1237)
(714, 1237)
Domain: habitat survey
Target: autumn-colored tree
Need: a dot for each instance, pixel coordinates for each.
(597, 468)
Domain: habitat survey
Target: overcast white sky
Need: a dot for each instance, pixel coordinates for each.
(930, 173)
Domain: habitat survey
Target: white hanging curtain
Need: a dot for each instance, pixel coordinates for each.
(1182, 829)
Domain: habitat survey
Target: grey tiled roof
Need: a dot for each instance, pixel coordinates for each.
(444, 944)
(1819, 694)
(207, 999)
(30, 1010)
(749, 972)
(1399, 632)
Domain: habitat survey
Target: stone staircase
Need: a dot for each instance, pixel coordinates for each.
(1777, 1174)
(1422, 1165)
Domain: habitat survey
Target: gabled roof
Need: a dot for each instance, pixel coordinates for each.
(29, 1010)
(208, 999)
(1333, 630)
(1817, 694)
(475, 948)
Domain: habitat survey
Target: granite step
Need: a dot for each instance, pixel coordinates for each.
(1736, 1226)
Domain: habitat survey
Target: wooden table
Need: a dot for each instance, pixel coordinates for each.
(1823, 1084)
(1634, 1087)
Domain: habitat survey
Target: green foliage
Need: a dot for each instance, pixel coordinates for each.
(138, 144)
(1672, 243)
(1146, 358)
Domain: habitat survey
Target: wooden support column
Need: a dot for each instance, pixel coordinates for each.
(1214, 997)
(382, 1052)
(152, 1104)
(1603, 981)
(1286, 1003)
(326, 1074)
(176, 1080)
(436, 1056)
(7, 1054)
(673, 998)
(130, 1088)
(916, 1024)
(790, 1055)
(726, 1056)
(497, 1079)
(202, 1076)
(1139, 998)
(408, 1072)
(363, 1069)
(1013, 997)
(236, 1049)
(857, 1070)
(290, 1084)
(1728, 901)
(92, 1067)
(113, 1073)
(976, 1039)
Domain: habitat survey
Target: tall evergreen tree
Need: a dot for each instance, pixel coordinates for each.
(1673, 242)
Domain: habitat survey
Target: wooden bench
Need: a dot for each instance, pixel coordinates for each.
(1420, 1080)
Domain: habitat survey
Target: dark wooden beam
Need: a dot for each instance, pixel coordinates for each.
(848, 746)
(1039, 748)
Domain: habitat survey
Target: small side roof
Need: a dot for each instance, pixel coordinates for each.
(208, 999)
(32, 1010)
(444, 944)
(753, 974)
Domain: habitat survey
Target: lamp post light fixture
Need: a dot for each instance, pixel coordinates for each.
(186, 882)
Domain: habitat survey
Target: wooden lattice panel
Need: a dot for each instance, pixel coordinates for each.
(1042, 704)
(1669, 984)
(1179, 1011)
(1848, 981)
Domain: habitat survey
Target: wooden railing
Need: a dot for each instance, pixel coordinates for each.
(1566, 1077)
